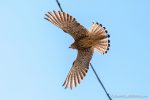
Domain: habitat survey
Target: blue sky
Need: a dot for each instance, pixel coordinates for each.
(35, 58)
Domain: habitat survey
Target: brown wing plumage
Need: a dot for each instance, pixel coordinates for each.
(67, 23)
(79, 68)
(100, 32)
(97, 32)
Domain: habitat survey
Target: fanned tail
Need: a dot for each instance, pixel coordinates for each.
(100, 32)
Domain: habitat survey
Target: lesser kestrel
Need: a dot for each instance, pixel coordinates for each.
(85, 42)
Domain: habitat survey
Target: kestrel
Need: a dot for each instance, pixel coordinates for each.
(85, 42)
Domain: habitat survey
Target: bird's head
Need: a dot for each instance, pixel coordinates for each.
(73, 46)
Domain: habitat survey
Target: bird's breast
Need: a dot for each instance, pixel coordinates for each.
(86, 42)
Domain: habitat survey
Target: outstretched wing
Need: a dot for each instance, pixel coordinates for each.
(100, 32)
(67, 23)
(79, 68)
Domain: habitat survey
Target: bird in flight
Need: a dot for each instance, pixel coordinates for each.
(84, 41)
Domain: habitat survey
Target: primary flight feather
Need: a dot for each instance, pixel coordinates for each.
(85, 42)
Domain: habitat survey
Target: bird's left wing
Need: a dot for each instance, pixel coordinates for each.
(67, 23)
(79, 68)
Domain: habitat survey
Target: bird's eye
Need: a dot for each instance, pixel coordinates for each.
(73, 63)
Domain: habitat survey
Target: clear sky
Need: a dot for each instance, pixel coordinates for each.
(35, 58)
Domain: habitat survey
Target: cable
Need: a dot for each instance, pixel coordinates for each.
(100, 82)
(59, 5)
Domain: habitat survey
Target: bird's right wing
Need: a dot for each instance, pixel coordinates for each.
(79, 68)
(67, 23)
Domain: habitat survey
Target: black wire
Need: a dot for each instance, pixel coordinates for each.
(91, 65)
(100, 82)
(59, 5)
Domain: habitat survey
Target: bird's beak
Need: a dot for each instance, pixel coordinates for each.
(69, 46)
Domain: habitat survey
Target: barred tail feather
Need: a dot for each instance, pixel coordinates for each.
(100, 32)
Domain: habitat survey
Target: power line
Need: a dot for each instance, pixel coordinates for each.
(100, 82)
(91, 65)
(59, 5)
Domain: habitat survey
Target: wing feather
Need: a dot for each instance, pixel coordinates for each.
(67, 23)
(79, 68)
(75, 79)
